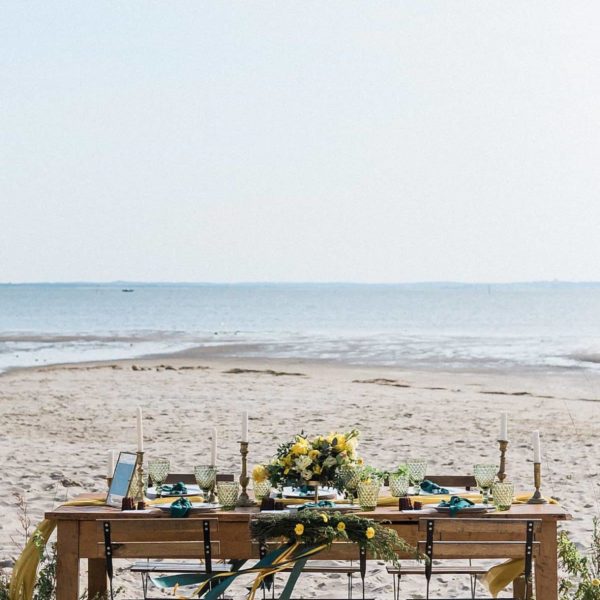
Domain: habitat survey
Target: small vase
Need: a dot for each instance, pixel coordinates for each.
(368, 494)
(399, 485)
(262, 489)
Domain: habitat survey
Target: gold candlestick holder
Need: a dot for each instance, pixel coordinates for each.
(502, 469)
(537, 478)
(244, 499)
(139, 478)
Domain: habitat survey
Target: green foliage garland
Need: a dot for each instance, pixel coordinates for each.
(312, 527)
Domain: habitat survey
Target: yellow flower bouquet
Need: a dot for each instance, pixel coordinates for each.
(315, 459)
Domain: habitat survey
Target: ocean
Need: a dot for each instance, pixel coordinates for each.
(545, 326)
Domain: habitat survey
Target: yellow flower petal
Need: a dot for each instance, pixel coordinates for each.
(299, 529)
(370, 533)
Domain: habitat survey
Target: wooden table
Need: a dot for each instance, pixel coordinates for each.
(78, 538)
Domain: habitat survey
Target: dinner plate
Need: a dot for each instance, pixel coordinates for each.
(325, 493)
(196, 507)
(192, 490)
(452, 491)
(342, 508)
(476, 508)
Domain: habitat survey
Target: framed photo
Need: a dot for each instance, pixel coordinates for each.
(122, 477)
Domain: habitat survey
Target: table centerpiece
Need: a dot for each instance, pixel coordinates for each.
(309, 462)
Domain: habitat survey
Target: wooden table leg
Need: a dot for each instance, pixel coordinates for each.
(67, 560)
(546, 566)
(96, 578)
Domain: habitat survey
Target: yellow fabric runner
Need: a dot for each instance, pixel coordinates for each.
(22, 581)
(502, 575)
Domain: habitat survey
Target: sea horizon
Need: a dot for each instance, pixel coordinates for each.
(544, 325)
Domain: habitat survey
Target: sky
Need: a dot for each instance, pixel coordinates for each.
(299, 141)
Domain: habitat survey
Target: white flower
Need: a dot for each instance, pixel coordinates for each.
(302, 462)
(329, 461)
(307, 475)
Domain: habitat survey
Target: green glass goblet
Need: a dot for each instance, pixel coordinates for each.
(206, 476)
(350, 478)
(485, 474)
(417, 467)
(158, 470)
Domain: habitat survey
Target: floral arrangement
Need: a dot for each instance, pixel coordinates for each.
(315, 459)
(314, 528)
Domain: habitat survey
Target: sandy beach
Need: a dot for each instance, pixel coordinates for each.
(59, 422)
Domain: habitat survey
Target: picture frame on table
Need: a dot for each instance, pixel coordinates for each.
(122, 478)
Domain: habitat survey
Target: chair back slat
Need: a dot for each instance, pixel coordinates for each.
(167, 530)
(475, 550)
(446, 528)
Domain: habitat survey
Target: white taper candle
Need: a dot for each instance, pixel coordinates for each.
(140, 430)
(503, 427)
(245, 426)
(110, 467)
(213, 448)
(537, 452)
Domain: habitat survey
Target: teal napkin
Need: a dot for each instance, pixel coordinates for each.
(180, 508)
(432, 488)
(176, 488)
(319, 504)
(455, 504)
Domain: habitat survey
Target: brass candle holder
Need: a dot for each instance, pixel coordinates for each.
(502, 469)
(537, 477)
(139, 477)
(244, 499)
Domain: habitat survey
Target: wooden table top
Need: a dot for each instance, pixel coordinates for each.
(86, 513)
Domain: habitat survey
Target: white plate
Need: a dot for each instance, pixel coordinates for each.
(342, 508)
(476, 508)
(192, 490)
(196, 507)
(324, 493)
(452, 491)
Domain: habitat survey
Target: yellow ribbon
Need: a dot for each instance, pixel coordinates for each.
(22, 581)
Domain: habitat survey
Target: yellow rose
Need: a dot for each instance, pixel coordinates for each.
(317, 470)
(259, 473)
(288, 461)
(595, 582)
(313, 454)
(359, 461)
(299, 529)
(341, 443)
(370, 533)
(325, 518)
(341, 526)
(300, 448)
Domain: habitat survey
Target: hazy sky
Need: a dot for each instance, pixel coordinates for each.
(300, 141)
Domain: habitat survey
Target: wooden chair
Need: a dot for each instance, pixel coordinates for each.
(462, 481)
(189, 478)
(443, 539)
(159, 538)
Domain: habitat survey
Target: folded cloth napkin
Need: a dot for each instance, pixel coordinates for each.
(319, 504)
(176, 488)
(432, 488)
(180, 508)
(456, 504)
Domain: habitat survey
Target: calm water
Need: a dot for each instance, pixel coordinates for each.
(426, 325)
